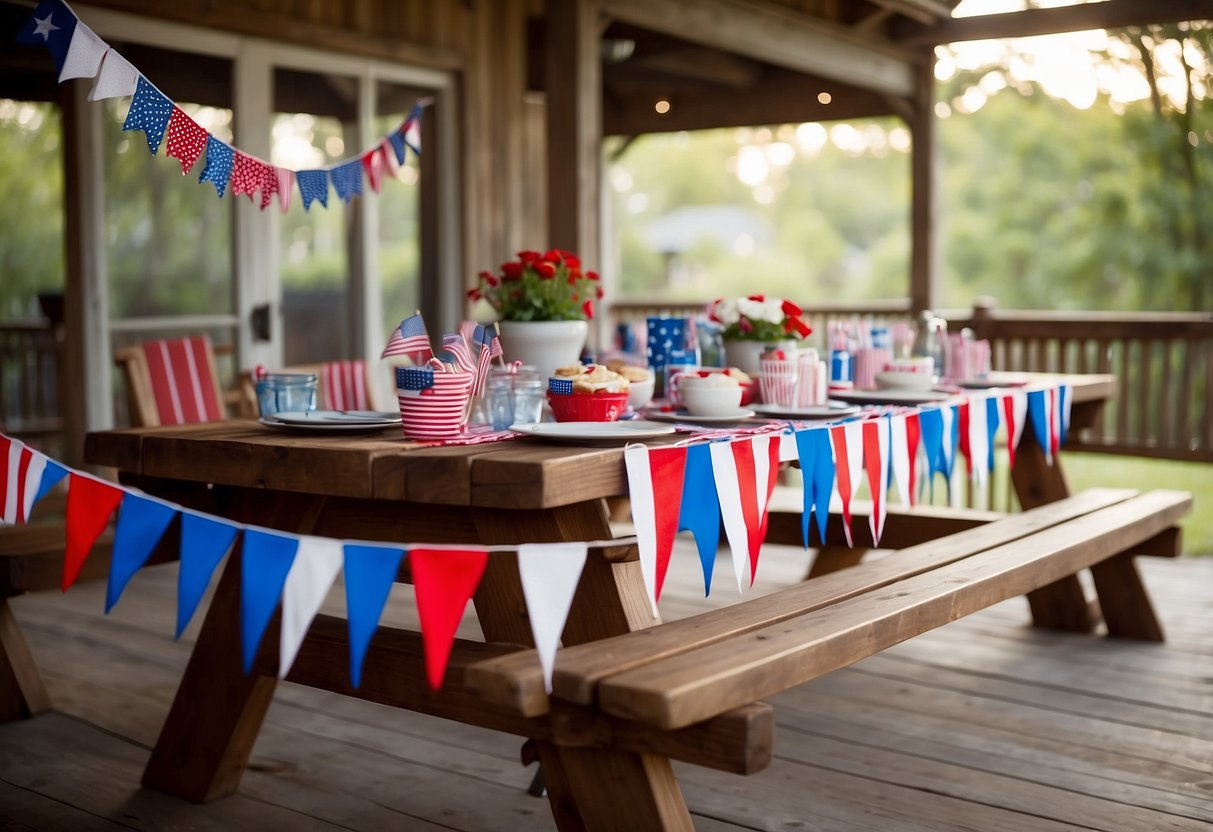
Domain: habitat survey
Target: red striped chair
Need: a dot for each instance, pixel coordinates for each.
(172, 382)
(343, 385)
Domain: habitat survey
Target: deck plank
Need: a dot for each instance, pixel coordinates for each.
(982, 724)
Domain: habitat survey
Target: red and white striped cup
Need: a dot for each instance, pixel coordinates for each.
(439, 411)
(779, 380)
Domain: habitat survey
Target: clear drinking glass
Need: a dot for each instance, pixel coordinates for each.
(528, 399)
(286, 392)
(499, 396)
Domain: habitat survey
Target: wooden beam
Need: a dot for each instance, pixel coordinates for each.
(701, 64)
(1110, 14)
(924, 11)
(775, 36)
(923, 198)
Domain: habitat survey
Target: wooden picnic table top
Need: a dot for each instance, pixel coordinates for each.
(517, 474)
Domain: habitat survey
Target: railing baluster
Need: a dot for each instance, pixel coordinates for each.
(1123, 394)
(1166, 403)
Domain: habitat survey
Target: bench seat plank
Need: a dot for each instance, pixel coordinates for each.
(689, 687)
(516, 681)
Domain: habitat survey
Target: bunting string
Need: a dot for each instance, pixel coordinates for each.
(702, 486)
(78, 52)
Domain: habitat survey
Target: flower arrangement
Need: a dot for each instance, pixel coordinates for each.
(540, 287)
(758, 318)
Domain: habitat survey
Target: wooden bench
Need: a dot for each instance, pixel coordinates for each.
(675, 676)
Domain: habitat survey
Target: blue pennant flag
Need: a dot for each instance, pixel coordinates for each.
(1063, 393)
(347, 180)
(265, 561)
(141, 524)
(950, 450)
(699, 512)
(51, 475)
(992, 421)
(396, 140)
(204, 542)
(218, 164)
(51, 25)
(1038, 419)
(930, 425)
(370, 572)
(149, 112)
(313, 186)
(817, 473)
(411, 129)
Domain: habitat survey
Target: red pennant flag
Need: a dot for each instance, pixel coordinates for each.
(248, 175)
(747, 487)
(913, 439)
(186, 140)
(842, 474)
(372, 163)
(667, 467)
(1054, 412)
(963, 410)
(269, 185)
(90, 504)
(444, 580)
(773, 448)
(876, 461)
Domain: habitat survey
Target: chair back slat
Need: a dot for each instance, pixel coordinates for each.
(183, 381)
(343, 385)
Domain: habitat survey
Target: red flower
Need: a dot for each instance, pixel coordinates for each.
(744, 324)
(592, 275)
(474, 294)
(511, 271)
(800, 326)
(791, 310)
(575, 273)
(757, 298)
(572, 279)
(485, 275)
(588, 309)
(528, 256)
(552, 256)
(491, 279)
(546, 270)
(600, 293)
(572, 261)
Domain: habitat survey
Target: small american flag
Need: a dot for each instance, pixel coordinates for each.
(561, 386)
(411, 339)
(453, 343)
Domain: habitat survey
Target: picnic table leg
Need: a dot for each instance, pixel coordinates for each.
(587, 789)
(22, 692)
(210, 731)
(1122, 597)
(1061, 605)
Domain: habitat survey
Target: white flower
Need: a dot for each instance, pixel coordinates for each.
(727, 311)
(772, 310)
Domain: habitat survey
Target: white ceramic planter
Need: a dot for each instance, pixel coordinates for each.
(544, 345)
(747, 355)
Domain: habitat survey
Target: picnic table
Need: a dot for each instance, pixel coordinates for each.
(383, 488)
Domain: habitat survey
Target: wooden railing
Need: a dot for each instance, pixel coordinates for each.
(1163, 363)
(30, 353)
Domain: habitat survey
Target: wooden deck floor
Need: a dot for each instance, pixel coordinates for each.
(981, 725)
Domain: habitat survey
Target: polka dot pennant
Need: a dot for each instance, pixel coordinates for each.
(186, 140)
(313, 186)
(397, 141)
(347, 180)
(149, 112)
(248, 174)
(269, 185)
(218, 164)
(373, 164)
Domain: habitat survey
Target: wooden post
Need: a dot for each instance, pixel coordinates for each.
(923, 237)
(573, 77)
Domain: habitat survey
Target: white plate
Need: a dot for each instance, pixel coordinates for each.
(682, 416)
(815, 412)
(363, 418)
(890, 396)
(593, 432)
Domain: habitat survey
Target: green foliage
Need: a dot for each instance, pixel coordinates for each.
(540, 287)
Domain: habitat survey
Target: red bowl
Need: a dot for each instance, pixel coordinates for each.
(588, 407)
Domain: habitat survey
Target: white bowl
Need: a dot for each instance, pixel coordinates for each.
(894, 380)
(702, 400)
(640, 393)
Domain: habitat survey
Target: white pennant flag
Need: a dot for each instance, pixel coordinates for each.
(117, 78)
(762, 469)
(899, 451)
(979, 441)
(1067, 404)
(84, 54)
(949, 444)
(724, 469)
(12, 472)
(33, 482)
(644, 518)
(789, 451)
(550, 573)
(317, 562)
(1019, 412)
(1050, 420)
(880, 504)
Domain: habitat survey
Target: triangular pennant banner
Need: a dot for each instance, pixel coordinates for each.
(204, 542)
(1038, 417)
(962, 420)
(412, 130)
(269, 185)
(876, 462)
(979, 451)
(1015, 413)
(313, 186)
(370, 572)
(15, 459)
(1054, 420)
(84, 55)
(347, 180)
(90, 503)
(644, 518)
(51, 25)
(117, 79)
(218, 168)
(699, 512)
(32, 486)
(817, 469)
(991, 429)
(52, 475)
(667, 467)
(847, 440)
(150, 112)
(315, 567)
(186, 140)
(286, 187)
(728, 495)
(899, 458)
(765, 480)
(550, 573)
(746, 461)
(930, 425)
(396, 140)
(1065, 396)
(373, 164)
(248, 175)
(265, 561)
(141, 524)
(444, 580)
